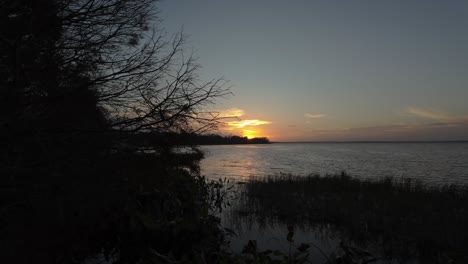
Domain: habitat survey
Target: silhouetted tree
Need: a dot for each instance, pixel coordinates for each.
(47, 107)
(142, 77)
(94, 66)
(73, 74)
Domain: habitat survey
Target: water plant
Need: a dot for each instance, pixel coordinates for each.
(404, 218)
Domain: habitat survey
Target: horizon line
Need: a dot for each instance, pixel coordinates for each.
(376, 141)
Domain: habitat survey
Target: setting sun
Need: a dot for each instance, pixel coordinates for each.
(249, 133)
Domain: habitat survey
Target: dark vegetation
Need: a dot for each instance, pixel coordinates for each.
(139, 210)
(190, 139)
(96, 102)
(79, 81)
(228, 140)
(405, 218)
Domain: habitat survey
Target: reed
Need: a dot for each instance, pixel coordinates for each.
(405, 217)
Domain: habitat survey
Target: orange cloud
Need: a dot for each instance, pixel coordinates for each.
(235, 124)
(244, 123)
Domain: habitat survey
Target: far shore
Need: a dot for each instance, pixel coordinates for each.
(372, 141)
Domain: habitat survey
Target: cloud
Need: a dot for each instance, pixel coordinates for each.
(234, 121)
(244, 123)
(308, 115)
(229, 113)
(414, 131)
(435, 115)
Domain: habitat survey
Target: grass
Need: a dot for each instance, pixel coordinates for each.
(404, 217)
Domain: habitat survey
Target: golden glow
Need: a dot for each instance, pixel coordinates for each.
(249, 133)
(244, 123)
(249, 128)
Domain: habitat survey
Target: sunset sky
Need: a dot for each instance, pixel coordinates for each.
(330, 70)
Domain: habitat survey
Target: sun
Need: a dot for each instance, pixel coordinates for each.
(249, 133)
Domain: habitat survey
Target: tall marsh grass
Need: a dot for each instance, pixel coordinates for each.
(404, 217)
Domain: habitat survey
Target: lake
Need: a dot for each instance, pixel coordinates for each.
(432, 162)
(435, 163)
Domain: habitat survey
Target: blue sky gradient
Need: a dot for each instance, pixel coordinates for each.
(335, 70)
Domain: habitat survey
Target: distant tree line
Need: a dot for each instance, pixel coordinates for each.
(213, 139)
(142, 139)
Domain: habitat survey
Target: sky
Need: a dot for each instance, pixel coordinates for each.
(329, 70)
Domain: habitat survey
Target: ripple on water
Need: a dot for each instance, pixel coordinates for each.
(434, 163)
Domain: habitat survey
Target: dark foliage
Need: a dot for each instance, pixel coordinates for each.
(405, 218)
(227, 140)
(140, 210)
(190, 139)
(78, 80)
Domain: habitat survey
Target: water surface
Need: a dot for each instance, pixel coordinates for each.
(436, 163)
